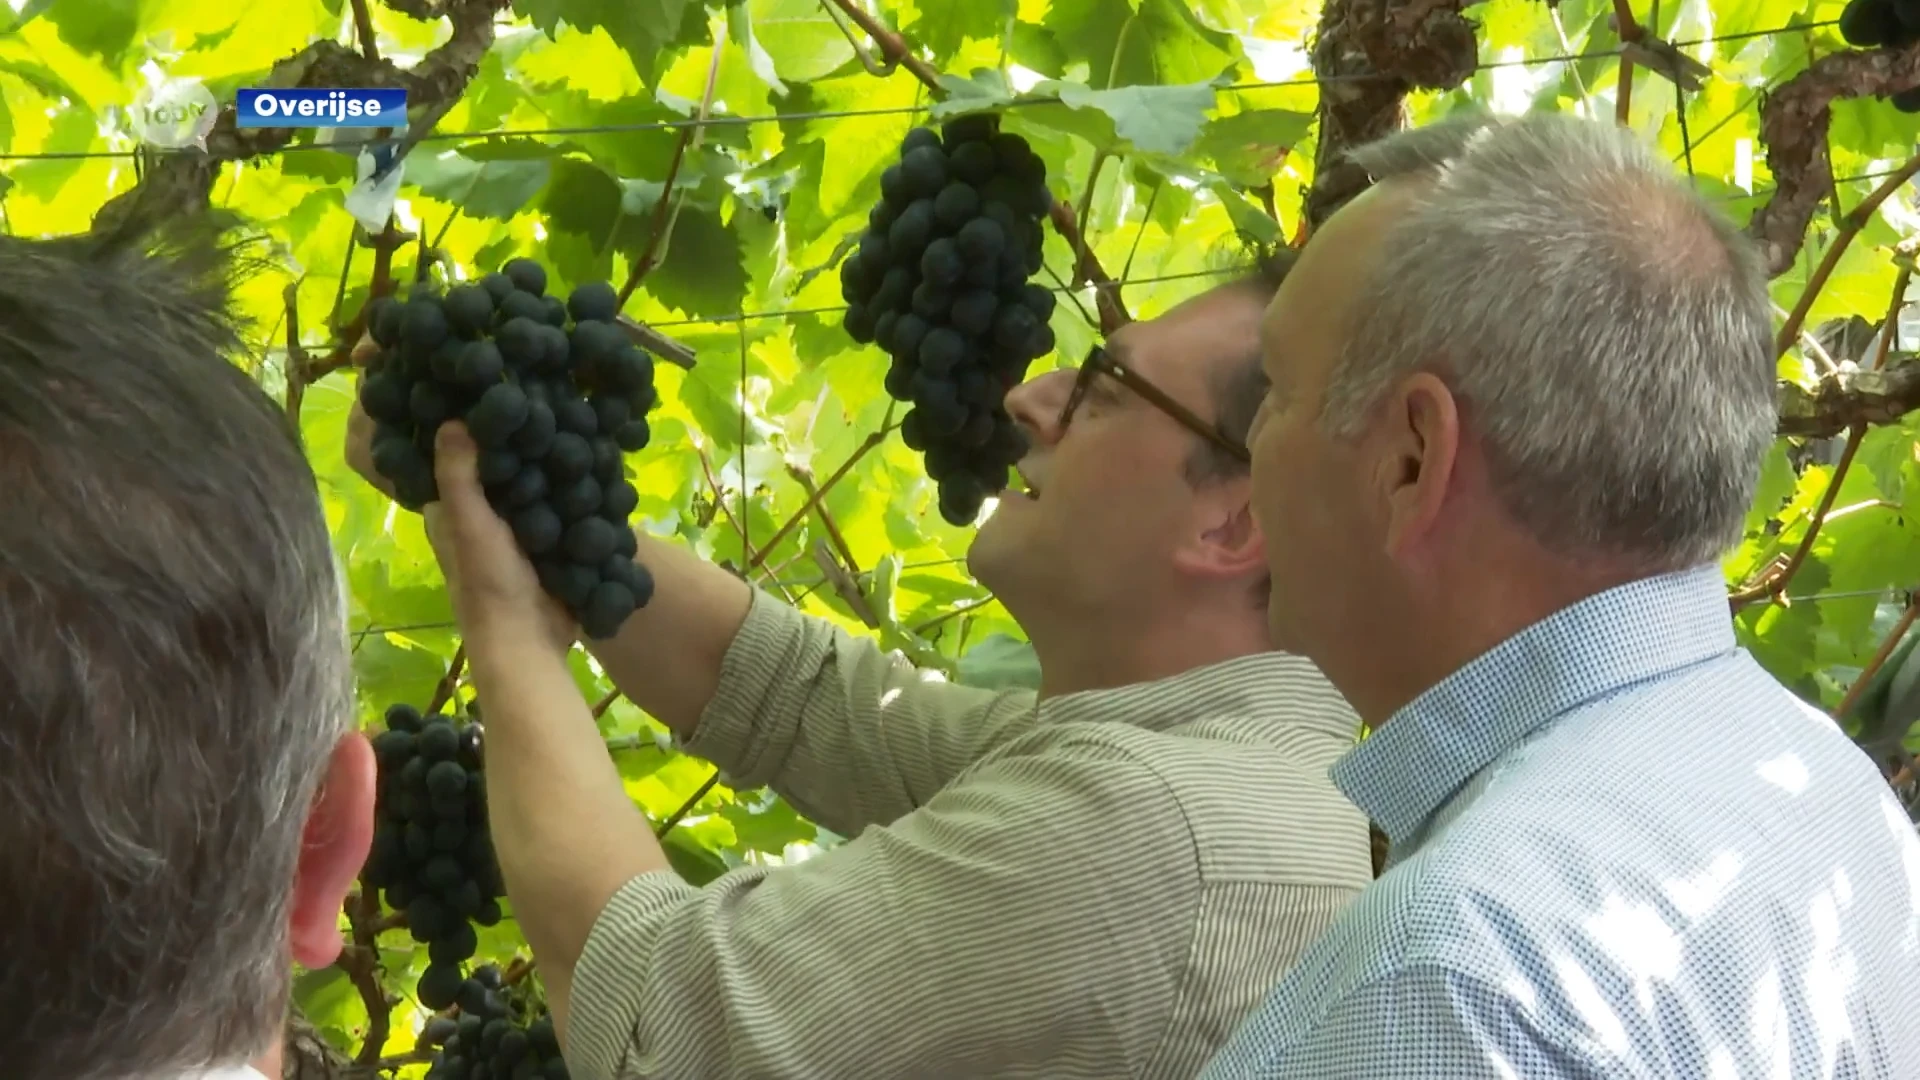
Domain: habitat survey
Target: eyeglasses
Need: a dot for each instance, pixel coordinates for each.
(1098, 362)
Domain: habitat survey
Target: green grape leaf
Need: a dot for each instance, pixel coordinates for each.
(1248, 148)
(101, 28)
(1249, 220)
(489, 189)
(1000, 662)
(1160, 120)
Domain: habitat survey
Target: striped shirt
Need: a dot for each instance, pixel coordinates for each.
(1620, 849)
(1098, 886)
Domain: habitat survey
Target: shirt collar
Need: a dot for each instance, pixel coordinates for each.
(1402, 773)
(1269, 687)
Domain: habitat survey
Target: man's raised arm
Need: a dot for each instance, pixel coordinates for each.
(847, 734)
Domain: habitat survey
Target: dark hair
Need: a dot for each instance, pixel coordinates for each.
(1239, 387)
(173, 661)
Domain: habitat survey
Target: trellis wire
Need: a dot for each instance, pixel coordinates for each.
(898, 110)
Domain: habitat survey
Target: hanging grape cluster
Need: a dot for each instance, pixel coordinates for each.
(432, 854)
(940, 283)
(551, 406)
(1872, 24)
(487, 1042)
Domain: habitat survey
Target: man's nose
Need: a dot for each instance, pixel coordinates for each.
(1036, 404)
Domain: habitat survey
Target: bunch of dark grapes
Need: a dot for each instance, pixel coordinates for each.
(940, 283)
(1872, 24)
(485, 1042)
(551, 405)
(432, 853)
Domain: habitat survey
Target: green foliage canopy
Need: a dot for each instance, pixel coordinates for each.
(732, 151)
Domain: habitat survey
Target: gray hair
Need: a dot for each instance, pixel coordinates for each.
(174, 669)
(1608, 331)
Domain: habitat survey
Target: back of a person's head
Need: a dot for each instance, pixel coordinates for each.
(1607, 328)
(173, 665)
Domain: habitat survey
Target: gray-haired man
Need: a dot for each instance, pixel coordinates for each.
(1521, 390)
(184, 801)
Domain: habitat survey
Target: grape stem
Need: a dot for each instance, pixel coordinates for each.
(361, 963)
(893, 47)
(443, 691)
(866, 446)
(686, 808)
(1772, 581)
(363, 30)
(666, 209)
(1850, 225)
(1861, 682)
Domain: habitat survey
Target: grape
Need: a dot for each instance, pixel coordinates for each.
(956, 205)
(552, 390)
(919, 137)
(940, 284)
(469, 310)
(535, 437)
(527, 276)
(500, 412)
(383, 321)
(527, 487)
(537, 528)
(424, 860)
(924, 170)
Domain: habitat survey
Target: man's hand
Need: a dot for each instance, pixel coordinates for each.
(496, 595)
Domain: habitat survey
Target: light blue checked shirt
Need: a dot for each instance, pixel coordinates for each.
(1620, 849)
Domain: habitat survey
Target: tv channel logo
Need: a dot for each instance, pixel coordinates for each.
(258, 107)
(174, 114)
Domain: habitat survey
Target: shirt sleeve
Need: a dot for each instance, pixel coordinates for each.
(848, 734)
(1418, 1020)
(1036, 912)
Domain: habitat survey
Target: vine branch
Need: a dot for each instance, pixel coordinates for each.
(866, 446)
(666, 825)
(443, 691)
(363, 29)
(1880, 657)
(1368, 55)
(1850, 226)
(666, 209)
(1849, 397)
(177, 183)
(1772, 581)
(1793, 127)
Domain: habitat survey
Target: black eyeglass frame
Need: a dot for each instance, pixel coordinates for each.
(1100, 362)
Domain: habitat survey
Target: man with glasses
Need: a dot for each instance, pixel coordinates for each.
(1096, 880)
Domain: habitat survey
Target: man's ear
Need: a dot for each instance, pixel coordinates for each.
(1228, 543)
(1420, 449)
(333, 848)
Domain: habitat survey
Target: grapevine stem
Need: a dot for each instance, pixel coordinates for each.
(1085, 209)
(443, 692)
(871, 441)
(961, 609)
(1773, 581)
(686, 807)
(363, 29)
(666, 210)
(1842, 710)
(892, 46)
(1850, 226)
